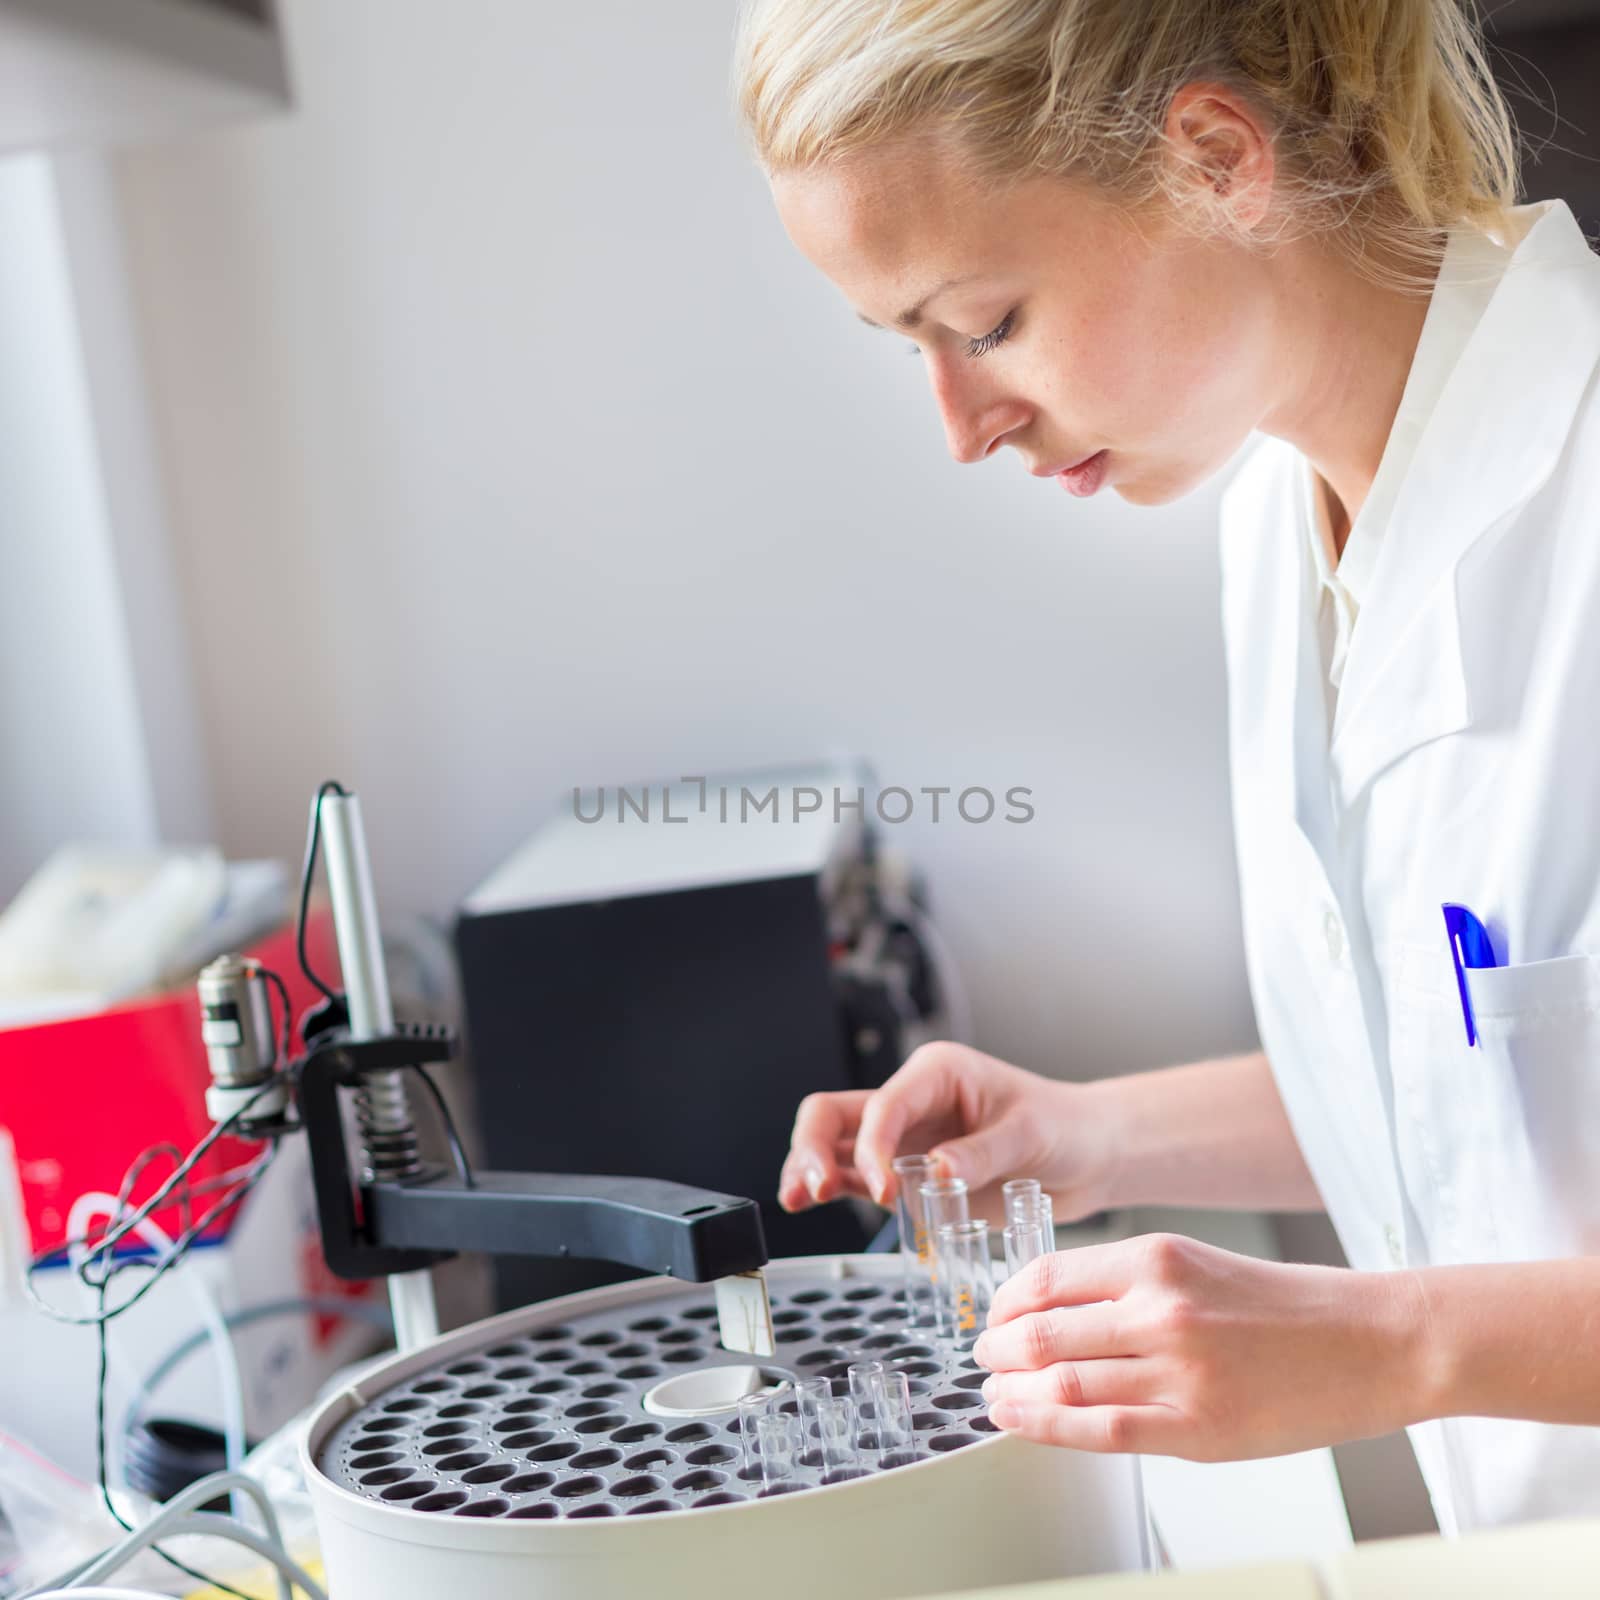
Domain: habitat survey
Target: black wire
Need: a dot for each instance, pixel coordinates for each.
(116, 1232)
(180, 1245)
(457, 1150)
(282, 1058)
(330, 787)
(100, 1268)
(101, 1323)
(136, 1171)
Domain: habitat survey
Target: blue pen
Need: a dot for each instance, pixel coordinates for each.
(1469, 947)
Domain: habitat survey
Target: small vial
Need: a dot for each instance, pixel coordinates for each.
(1044, 1216)
(964, 1263)
(945, 1200)
(809, 1395)
(916, 1241)
(1023, 1244)
(1031, 1211)
(891, 1399)
(779, 1439)
(862, 1375)
(1020, 1193)
(752, 1408)
(836, 1426)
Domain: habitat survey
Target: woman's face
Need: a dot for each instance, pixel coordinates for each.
(1047, 321)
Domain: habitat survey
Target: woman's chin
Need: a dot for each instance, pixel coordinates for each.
(1158, 488)
(1147, 492)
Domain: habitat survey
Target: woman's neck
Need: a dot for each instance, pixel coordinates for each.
(1345, 345)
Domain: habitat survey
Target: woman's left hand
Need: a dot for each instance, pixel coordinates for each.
(1162, 1345)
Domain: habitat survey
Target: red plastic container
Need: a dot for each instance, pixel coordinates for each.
(81, 1097)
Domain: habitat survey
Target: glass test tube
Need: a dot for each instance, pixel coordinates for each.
(836, 1427)
(1023, 1244)
(862, 1375)
(964, 1263)
(752, 1408)
(891, 1399)
(1032, 1213)
(945, 1200)
(809, 1395)
(1044, 1220)
(1020, 1193)
(779, 1439)
(916, 1242)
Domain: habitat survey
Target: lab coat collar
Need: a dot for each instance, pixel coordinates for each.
(1493, 440)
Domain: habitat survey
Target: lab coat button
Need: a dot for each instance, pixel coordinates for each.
(1391, 1237)
(1333, 933)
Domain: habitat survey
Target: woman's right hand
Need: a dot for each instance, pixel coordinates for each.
(983, 1119)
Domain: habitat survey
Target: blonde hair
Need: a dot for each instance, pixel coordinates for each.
(1386, 122)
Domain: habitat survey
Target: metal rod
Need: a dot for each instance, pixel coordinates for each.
(385, 1115)
(355, 917)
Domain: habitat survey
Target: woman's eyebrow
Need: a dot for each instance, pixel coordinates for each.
(912, 315)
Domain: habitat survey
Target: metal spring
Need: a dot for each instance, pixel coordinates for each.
(388, 1135)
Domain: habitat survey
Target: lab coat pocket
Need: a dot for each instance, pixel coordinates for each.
(1499, 1141)
(1541, 1021)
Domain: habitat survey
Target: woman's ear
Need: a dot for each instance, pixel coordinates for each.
(1222, 151)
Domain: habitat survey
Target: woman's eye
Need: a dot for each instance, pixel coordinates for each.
(999, 335)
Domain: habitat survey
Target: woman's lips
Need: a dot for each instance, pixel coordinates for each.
(1085, 478)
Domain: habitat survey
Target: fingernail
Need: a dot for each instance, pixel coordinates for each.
(814, 1179)
(1004, 1416)
(989, 1387)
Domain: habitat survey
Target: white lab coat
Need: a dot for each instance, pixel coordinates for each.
(1463, 764)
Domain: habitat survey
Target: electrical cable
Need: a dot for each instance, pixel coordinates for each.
(102, 1349)
(457, 1150)
(102, 1344)
(284, 1051)
(230, 1382)
(98, 1269)
(183, 1504)
(180, 1516)
(106, 1245)
(215, 1328)
(136, 1171)
(289, 1573)
(330, 787)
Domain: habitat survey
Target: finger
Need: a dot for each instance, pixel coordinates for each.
(1038, 1339)
(794, 1193)
(797, 1194)
(1066, 1278)
(1117, 1430)
(989, 1153)
(926, 1086)
(821, 1125)
(1120, 1381)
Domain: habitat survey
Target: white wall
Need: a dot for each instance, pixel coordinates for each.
(72, 756)
(509, 446)
(99, 736)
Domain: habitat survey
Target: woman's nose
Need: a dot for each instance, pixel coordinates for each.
(976, 424)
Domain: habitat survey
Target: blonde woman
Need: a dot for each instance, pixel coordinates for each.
(1126, 235)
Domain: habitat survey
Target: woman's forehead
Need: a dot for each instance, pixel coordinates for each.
(891, 227)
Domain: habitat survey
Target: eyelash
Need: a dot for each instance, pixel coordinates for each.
(982, 346)
(979, 347)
